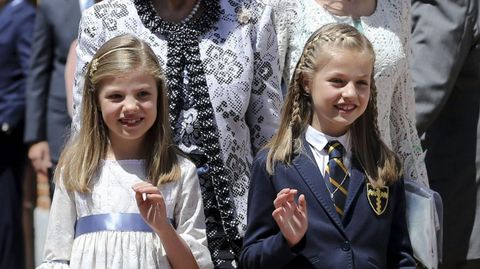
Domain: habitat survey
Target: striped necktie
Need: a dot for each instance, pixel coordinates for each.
(337, 176)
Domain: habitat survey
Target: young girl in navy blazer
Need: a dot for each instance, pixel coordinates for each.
(350, 210)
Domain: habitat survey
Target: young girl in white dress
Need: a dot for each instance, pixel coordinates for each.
(124, 198)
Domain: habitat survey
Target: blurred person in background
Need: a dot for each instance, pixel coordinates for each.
(446, 78)
(16, 26)
(47, 119)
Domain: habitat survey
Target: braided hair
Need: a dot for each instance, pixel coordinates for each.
(379, 163)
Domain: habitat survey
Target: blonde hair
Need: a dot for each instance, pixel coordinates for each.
(379, 163)
(82, 156)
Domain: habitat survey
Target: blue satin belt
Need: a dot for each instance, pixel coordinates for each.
(126, 222)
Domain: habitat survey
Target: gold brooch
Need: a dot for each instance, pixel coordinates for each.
(378, 198)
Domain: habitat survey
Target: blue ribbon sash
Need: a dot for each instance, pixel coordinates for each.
(126, 222)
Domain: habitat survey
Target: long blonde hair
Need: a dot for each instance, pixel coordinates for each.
(83, 154)
(379, 163)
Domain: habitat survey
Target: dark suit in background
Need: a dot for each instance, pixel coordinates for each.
(446, 76)
(47, 118)
(16, 29)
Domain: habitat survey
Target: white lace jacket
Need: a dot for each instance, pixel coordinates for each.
(388, 28)
(240, 60)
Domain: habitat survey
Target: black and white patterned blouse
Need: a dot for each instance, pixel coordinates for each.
(224, 93)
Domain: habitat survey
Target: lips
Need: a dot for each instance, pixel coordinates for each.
(346, 107)
(130, 122)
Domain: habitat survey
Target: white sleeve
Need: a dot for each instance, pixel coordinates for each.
(87, 44)
(189, 215)
(284, 15)
(60, 231)
(266, 98)
(405, 140)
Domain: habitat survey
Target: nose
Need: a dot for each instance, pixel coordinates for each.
(349, 90)
(130, 105)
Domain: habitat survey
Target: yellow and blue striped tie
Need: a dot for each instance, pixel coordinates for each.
(336, 174)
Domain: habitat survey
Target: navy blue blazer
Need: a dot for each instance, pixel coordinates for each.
(16, 29)
(361, 240)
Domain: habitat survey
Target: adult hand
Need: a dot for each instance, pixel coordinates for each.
(39, 155)
(291, 217)
(151, 205)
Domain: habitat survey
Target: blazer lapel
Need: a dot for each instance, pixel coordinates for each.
(308, 170)
(355, 186)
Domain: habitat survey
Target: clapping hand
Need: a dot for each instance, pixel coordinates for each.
(151, 205)
(290, 216)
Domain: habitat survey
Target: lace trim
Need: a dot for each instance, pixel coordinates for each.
(183, 57)
(199, 25)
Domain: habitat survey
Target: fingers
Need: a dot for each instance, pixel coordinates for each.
(139, 198)
(288, 208)
(302, 204)
(39, 154)
(285, 195)
(146, 191)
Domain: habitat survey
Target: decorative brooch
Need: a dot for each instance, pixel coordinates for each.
(244, 16)
(378, 198)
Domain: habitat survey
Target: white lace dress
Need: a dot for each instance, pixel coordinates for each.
(388, 28)
(112, 193)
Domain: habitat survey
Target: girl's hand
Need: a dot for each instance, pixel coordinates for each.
(290, 216)
(151, 206)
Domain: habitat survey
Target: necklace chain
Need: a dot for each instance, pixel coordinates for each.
(332, 193)
(192, 13)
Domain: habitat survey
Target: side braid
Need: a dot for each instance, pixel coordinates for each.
(373, 101)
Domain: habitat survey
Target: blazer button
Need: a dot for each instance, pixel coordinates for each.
(346, 246)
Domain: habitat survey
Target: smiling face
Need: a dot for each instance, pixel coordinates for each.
(340, 90)
(128, 105)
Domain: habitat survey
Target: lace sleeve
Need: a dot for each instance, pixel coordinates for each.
(60, 232)
(87, 44)
(98, 24)
(265, 98)
(285, 16)
(190, 217)
(405, 140)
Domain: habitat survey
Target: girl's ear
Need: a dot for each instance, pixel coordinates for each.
(305, 84)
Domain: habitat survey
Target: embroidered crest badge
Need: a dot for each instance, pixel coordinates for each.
(378, 198)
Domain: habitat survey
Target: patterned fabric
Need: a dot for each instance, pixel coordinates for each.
(224, 97)
(123, 249)
(337, 175)
(388, 28)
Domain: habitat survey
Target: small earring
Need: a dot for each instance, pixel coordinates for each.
(306, 92)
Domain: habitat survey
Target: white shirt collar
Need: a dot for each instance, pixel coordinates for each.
(319, 140)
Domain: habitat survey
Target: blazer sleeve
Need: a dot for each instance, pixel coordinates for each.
(41, 65)
(400, 253)
(440, 45)
(264, 245)
(23, 24)
(265, 98)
